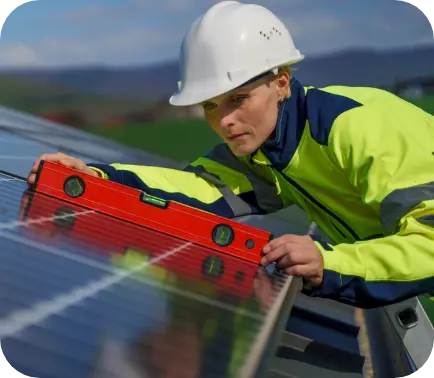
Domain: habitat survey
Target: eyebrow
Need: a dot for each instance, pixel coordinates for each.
(237, 92)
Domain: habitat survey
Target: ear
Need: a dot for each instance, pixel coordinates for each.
(282, 84)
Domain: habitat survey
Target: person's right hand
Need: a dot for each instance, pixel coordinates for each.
(63, 159)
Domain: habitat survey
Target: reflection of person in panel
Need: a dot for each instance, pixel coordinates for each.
(199, 340)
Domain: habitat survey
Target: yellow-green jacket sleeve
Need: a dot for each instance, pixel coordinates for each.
(387, 153)
(217, 183)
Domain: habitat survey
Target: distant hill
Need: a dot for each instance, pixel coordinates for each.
(151, 83)
(36, 96)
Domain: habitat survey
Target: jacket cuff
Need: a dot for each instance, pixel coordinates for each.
(100, 172)
(332, 281)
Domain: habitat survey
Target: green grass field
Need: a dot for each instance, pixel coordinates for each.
(181, 140)
(428, 305)
(426, 103)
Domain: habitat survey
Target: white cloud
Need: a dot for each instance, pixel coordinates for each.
(19, 54)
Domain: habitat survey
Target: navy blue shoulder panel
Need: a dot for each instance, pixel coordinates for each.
(322, 109)
(289, 128)
(318, 107)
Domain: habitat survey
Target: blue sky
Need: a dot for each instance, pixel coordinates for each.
(129, 32)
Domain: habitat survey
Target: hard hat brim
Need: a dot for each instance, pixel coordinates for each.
(190, 97)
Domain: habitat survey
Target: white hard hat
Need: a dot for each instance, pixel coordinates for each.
(226, 47)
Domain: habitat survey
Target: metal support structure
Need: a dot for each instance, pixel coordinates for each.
(414, 328)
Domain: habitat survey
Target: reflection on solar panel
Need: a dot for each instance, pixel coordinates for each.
(93, 294)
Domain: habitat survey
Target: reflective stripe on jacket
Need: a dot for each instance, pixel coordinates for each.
(359, 161)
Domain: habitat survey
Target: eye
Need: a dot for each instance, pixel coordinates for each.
(239, 99)
(209, 106)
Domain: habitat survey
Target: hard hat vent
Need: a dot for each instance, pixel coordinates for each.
(270, 33)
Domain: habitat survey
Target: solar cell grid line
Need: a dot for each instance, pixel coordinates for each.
(210, 299)
(7, 179)
(19, 321)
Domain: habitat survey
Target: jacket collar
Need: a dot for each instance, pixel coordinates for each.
(289, 129)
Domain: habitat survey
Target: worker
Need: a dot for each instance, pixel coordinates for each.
(358, 160)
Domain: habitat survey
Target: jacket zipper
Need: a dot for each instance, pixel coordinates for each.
(322, 207)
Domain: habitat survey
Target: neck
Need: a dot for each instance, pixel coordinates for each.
(289, 126)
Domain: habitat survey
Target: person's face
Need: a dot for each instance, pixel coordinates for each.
(246, 117)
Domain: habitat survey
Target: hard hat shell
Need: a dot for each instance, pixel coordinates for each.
(227, 46)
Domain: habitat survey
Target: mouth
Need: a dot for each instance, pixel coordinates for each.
(236, 136)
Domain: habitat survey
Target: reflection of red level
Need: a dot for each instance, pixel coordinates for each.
(135, 206)
(111, 236)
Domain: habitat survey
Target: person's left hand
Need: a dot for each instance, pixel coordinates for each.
(297, 256)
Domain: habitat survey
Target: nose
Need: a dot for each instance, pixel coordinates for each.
(227, 117)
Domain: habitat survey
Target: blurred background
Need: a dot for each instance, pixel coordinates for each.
(109, 66)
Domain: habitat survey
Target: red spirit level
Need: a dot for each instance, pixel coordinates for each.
(52, 220)
(135, 206)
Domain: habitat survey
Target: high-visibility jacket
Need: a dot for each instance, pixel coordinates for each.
(359, 161)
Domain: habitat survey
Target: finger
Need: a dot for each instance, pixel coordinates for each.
(293, 257)
(292, 252)
(31, 178)
(275, 254)
(289, 238)
(48, 157)
(302, 270)
(275, 243)
(73, 163)
(299, 270)
(36, 164)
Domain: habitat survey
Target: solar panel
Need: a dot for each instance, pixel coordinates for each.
(83, 294)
